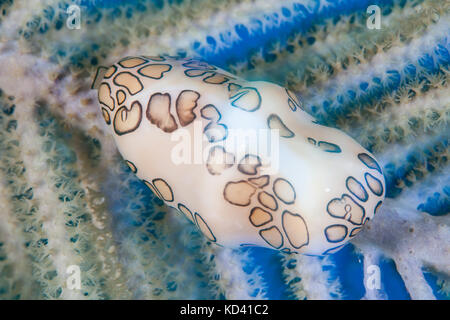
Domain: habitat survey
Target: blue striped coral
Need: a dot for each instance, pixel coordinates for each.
(66, 197)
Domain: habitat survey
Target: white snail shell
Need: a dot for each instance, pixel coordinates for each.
(193, 134)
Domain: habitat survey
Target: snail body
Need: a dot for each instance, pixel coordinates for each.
(198, 137)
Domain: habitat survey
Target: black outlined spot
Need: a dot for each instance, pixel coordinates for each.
(204, 228)
(274, 122)
(267, 200)
(185, 104)
(126, 121)
(377, 207)
(185, 210)
(155, 70)
(210, 112)
(259, 217)
(121, 96)
(104, 96)
(325, 146)
(247, 99)
(293, 101)
(336, 233)
(158, 112)
(129, 81)
(164, 189)
(106, 116)
(261, 181)
(249, 164)
(374, 184)
(239, 193)
(355, 231)
(272, 236)
(131, 62)
(369, 162)
(216, 78)
(110, 72)
(346, 208)
(284, 190)
(99, 76)
(131, 166)
(294, 226)
(153, 189)
(356, 188)
(219, 160)
(214, 131)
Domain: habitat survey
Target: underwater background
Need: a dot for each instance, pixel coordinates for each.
(68, 199)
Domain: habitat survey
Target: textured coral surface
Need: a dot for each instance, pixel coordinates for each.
(67, 198)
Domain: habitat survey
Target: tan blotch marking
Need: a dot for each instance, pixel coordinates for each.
(232, 88)
(104, 96)
(125, 120)
(377, 207)
(249, 164)
(203, 226)
(247, 99)
(216, 78)
(185, 104)
(129, 81)
(346, 208)
(196, 72)
(186, 211)
(155, 58)
(131, 166)
(106, 116)
(272, 236)
(259, 217)
(120, 96)
(108, 74)
(267, 200)
(164, 189)
(284, 190)
(132, 62)
(196, 64)
(295, 228)
(154, 71)
(99, 75)
(158, 112)
(215, 132)
(274, 122)
(355, 231)
(260, 182)
(293, 102)
(219, 160)
(336, 233)
(239, 193)
(357, 189)
(210, 112)
(152, 188)
(374, 184)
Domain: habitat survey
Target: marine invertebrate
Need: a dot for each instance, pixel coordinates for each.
(314, 210)
(386, 88)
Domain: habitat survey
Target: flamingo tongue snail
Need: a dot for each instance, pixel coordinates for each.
(314, 192)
